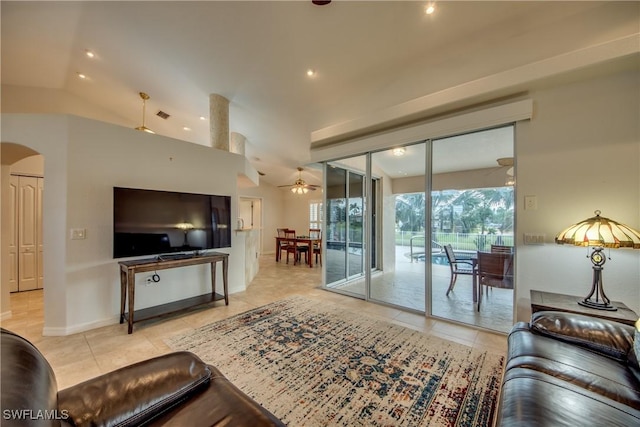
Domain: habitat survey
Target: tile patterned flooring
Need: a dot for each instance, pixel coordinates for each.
(78, 357)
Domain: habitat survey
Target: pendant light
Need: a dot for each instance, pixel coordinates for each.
(144, 97)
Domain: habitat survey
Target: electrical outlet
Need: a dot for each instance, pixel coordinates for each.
(78, 233)
(534, 239)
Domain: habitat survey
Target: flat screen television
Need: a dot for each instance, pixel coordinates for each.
(151, 222)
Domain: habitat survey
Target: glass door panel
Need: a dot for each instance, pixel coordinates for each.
(345, 245)
(472, 210)
(400, 227)
(335, 231)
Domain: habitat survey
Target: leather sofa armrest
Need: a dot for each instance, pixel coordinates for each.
(609, 338)
(136, 393)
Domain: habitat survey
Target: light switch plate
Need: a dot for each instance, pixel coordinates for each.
(530, 203)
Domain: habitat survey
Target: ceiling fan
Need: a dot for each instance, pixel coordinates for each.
(300, 186)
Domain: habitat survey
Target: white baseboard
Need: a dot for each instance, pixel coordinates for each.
(6, 315)
(75, 329)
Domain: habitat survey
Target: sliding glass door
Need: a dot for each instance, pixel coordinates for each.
(345, 243)
(403, 207)
(400, 227)
(472, 211)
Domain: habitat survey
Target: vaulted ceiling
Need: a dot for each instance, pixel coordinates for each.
(367, 56)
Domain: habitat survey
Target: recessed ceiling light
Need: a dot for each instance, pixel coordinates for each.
(398, 151)
(82, 76)
(430, 9)
(203, 118)
(311, 72)
(186, 128)
(89, 53)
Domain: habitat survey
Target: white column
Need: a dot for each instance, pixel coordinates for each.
(219, 121)
(237, 143)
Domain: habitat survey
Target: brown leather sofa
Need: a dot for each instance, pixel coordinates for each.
(176, 389)
(570, 370)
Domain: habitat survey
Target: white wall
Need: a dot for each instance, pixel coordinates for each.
(296, 212)
(579, 153)
(272, 212)
(84, 160)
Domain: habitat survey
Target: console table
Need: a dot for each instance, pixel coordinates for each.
(128, 270)
(549, 301)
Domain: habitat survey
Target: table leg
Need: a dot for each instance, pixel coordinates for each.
(475, 286)
(310, 253)
(123, 293)
(277, 250)
(131, 288)
(225, 273)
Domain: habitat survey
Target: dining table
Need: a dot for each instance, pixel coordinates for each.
(297, 241)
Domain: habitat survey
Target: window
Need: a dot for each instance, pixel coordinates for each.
(315, 214)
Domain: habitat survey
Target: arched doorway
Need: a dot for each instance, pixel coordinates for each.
(21, 261)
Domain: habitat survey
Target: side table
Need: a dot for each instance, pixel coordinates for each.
(548, 301)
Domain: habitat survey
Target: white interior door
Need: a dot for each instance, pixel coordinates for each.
(13, 237)
(25, 246)
(39, 233)
(27, 233)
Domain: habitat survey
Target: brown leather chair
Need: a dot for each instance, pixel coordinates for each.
(176, 389)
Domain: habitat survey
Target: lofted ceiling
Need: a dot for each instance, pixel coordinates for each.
(367, 56)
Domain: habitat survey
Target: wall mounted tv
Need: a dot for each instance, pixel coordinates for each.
(150, 222)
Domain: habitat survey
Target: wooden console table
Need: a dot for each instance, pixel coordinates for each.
(128, 270)
(548, 301)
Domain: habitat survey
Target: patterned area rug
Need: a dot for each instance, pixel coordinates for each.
(316, 365)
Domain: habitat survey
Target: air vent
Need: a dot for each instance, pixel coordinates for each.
(162, 115)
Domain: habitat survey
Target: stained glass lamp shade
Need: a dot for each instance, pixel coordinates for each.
(599, 232)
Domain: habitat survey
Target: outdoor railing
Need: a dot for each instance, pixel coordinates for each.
(458, 241)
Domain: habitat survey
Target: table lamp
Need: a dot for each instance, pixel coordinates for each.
(186, 227)
(599, 232)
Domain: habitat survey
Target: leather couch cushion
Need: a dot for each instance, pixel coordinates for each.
(634, 354)
(28, 385)
(579, 367)
(136, 393)
(612, 339)
(531, 398)
(232, 408)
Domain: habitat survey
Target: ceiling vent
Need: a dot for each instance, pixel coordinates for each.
(163, 115)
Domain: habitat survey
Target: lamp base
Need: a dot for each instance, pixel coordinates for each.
(597, 305)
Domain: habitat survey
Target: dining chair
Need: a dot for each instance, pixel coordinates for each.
(282, 244)
(302, 249)
(316, 233)
(291, 245)
(495, 269)
(501, 249)
(457, 267)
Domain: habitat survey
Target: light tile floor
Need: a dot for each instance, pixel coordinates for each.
(404, 286)
(78, 357)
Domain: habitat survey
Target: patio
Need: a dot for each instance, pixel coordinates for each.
(405, 287)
